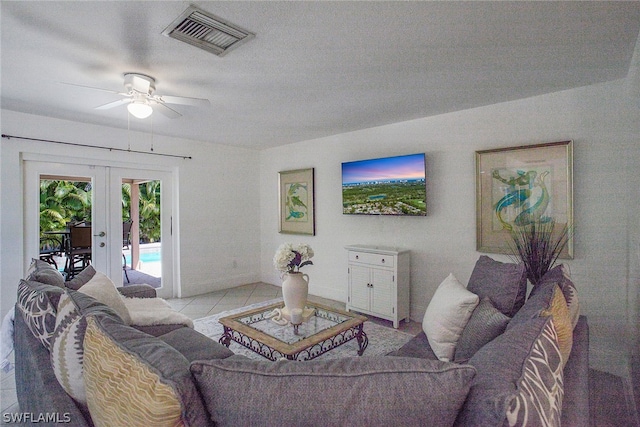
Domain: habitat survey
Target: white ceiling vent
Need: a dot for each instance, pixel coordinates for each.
(206, 31)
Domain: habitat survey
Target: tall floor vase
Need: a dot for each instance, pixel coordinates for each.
(295, 289)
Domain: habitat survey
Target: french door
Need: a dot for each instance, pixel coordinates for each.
(105, 183)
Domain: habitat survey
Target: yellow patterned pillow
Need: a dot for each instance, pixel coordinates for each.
(121, 389)
(562, 320)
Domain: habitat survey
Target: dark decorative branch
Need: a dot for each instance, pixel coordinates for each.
(538, 246)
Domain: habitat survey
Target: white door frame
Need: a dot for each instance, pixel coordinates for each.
(35, 164)
(99, 243)
(116, 175)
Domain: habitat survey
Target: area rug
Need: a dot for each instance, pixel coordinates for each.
(382, 339)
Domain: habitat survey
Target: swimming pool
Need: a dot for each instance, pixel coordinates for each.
(146, 257)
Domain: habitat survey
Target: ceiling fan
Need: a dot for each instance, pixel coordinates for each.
(141, 100)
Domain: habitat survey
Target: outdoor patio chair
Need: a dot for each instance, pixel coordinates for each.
(126, 242)
(78, 251)
(50, 247)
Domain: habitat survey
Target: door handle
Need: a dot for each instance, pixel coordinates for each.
(102, 234)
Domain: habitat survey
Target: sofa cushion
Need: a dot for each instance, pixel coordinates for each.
(37, 304)
(446, 316)
(519, 377)
(43, 272)
(505, 284)
(193, 345)
(81, 278)
(549, 301)
(67, 352)
(362, 391)
(560, 275)
(104, 290)
(135, 379)
(417, 346)
(485, 324)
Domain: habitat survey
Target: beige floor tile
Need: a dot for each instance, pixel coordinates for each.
(254, 299)
(179, 304)
(196, 308)
(8, 398)
(208, 299)
(219, 308)
(8, 380)
(197, 315)
(263, 291)
(242, 290)
(234, 300)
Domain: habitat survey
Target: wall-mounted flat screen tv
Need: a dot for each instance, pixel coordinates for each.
(385, 186)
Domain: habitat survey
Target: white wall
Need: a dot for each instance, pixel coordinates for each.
(603, 121)
(217, 208)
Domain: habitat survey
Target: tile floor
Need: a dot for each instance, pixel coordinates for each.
(197, 307)
(229, 299)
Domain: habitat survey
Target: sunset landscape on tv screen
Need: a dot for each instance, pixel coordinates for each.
(385, 186)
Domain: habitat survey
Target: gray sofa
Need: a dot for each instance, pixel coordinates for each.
(39, 392)
(190, 379)
(575, 406)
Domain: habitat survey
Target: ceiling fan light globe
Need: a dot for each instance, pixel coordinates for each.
(140, 110)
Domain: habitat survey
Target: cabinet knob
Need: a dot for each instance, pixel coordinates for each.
(383, 260)
(357, 256)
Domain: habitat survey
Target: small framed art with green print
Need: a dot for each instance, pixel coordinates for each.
(296, 202)
(523, 186)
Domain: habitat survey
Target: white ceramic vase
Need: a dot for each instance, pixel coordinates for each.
(295, 289)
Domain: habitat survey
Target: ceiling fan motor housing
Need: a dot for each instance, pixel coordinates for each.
(140, 83)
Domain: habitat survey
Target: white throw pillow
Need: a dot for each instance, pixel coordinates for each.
(447, 314)
(104, 290)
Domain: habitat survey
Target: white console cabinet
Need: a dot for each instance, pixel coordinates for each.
(379, 282)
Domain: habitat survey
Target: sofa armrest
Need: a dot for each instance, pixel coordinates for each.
(575, 404)
(138, 291)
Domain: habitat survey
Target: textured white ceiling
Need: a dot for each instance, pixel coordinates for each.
(315, 68)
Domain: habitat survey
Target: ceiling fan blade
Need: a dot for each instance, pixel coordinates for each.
(184, 100)
(166, 111)
(113, 104)
(93, 88)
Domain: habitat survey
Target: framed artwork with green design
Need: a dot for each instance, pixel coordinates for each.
(519, 186)
(296, 202)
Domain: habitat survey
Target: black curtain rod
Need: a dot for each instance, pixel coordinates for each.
(95, 146)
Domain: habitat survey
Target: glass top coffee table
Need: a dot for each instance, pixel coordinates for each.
(325, 330)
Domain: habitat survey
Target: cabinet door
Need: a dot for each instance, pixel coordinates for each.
(359, 278)
(383, 292)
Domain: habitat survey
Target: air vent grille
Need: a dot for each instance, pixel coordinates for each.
(206, 31)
